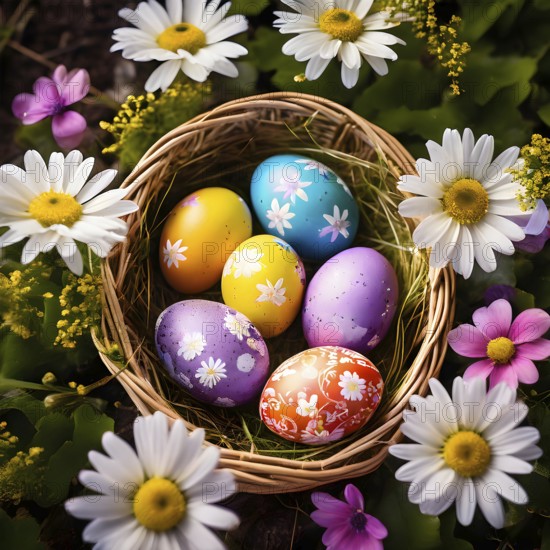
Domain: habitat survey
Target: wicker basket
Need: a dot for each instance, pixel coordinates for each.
(129, 312)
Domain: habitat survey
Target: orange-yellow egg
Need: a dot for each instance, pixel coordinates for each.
(199, 235)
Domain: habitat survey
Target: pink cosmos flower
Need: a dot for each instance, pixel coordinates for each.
(51, 97)
(348, 527)
(508, 348)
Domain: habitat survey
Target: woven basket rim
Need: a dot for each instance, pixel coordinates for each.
(254, 472)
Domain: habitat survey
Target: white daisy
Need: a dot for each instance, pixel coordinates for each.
(323, 170)
(274, 294)
(173, 253)
(466, 447)
(158, 497)
(353, 386)
(246, 261)
(237, 324)
(186, 35)
(338, 224)
(465, 198)
(54, 206)
(342, 29)
(293, 188)
(192, 345)
(279, 217)
(209, 374)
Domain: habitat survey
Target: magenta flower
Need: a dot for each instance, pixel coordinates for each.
(348, 527)
(508, 348)
(51, 97)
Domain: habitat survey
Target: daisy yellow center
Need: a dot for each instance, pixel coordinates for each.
(466, 201)
(341, 24)
(182, 36)
(467, 453)
(159, 505)
(501, 350)
(352, 386)
(51, 208)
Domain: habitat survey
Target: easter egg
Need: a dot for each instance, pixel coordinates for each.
(306, 203)
(321, 395)
(351, 301)
(265, 279)
(198, 236)
(212, 351)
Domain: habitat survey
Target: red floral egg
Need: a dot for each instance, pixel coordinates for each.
(321, 395)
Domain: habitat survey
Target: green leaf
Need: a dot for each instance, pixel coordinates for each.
(449, 541)
(546, 535)
(32, 408)
(72, 456)
(479, 17)
(248, 7)
(21, 359)
(22, 534)
(407, 526)
(37, 136)
(485, 76)
(544, 114)
(52, 431)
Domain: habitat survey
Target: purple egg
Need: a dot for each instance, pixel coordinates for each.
(351, 301)
(213, 351)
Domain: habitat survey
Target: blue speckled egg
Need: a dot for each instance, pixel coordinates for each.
(213, 351)
(305, 202)
(351, 301)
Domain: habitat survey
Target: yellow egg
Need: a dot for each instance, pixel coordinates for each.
(264, 279)
(199, 235)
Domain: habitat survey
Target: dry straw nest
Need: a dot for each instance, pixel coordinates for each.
(222, 147)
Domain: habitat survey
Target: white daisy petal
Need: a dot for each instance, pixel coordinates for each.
(194, 531)
(466, 502)
(76, 181)
(213, 516)
(163, 76)
(175, 11)
(379, 65)
(36, 172)
(99, 506)
(96, 184)
(419, 469)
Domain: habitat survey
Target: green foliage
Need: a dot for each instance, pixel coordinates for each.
(248, 7)
(20, 533)
(64, 442)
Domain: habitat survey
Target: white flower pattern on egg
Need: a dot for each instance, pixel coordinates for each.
(272, 293)
(173, 253)
(352, 386)
(278, 217)
(338, 224)
(192, 345)
(209, 374)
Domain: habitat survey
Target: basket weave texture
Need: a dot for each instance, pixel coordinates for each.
(130, 312)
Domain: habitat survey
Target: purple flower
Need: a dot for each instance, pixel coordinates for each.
(536, 228)
(348, 527)
(495, 292)
(51, 97)
(508, 348)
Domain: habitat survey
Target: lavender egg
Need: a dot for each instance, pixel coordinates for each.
(212, 351)
(351, 301)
